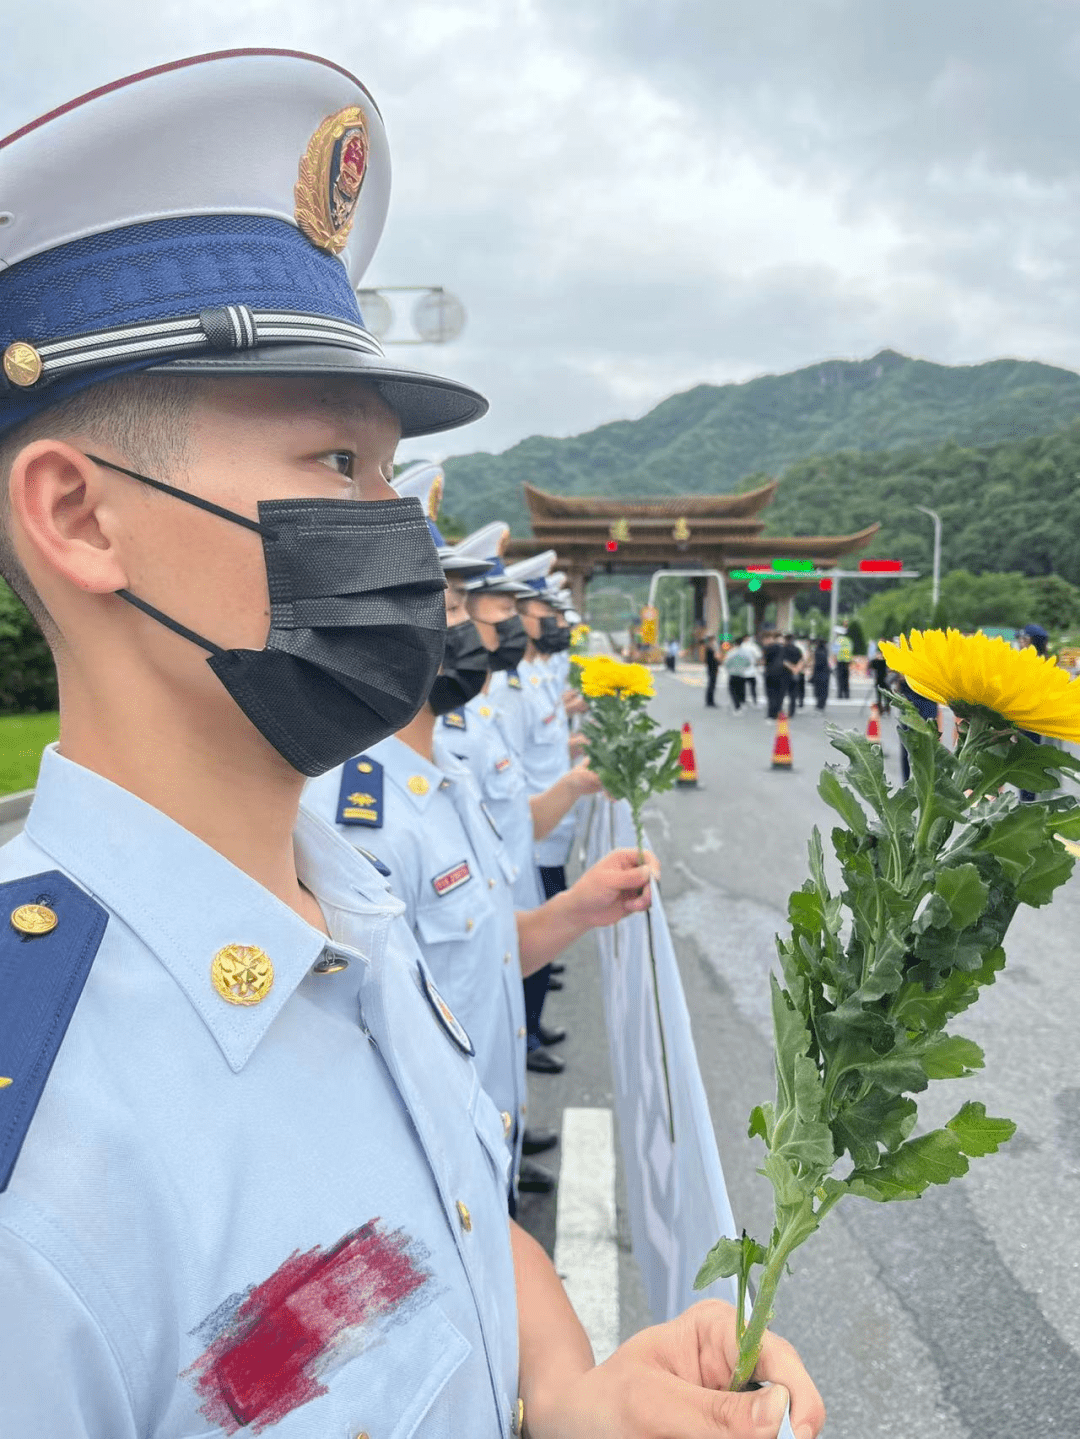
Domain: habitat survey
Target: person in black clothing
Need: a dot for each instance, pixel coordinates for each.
(929, 711)
(819, 676)
(793, 658)
(777, 675)
(880, 668)
(712, 669)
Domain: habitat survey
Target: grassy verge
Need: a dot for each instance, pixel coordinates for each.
(22, 738)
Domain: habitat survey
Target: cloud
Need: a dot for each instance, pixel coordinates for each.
(631, 198)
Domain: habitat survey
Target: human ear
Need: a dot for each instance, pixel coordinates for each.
(62, 521)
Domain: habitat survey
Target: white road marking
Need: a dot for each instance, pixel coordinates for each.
(586, 1250)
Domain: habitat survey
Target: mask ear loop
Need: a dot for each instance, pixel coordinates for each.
(202, 504)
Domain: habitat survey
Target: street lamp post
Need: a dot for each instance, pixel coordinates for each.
(937, 555)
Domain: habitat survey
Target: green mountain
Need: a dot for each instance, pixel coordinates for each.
(709, 439)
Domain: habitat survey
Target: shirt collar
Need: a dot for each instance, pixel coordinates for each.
(407, 769)
(185, 901)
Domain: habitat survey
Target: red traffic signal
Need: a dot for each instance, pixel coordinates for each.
(879, 567)
(612, 546)
(825, 585)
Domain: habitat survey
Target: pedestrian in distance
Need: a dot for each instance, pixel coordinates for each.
(879, 668)
(803, 645)
(712, 670)
(844, 652)
(739, 667)
(672, 654)
(793, 663)
(777, 674)
(929, 711)
(1032, 637)
(819, 676)
(753, 649)
(249, 1179)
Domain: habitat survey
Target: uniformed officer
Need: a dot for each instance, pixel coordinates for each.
(249, 1178)
(444, 854)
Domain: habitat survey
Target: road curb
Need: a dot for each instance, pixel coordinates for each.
(15, 806)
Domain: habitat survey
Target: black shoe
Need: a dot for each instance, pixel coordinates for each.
(540, 1062)
(554, 982)
(547, 1037)
(536, 1141)
(557, 967)
(534, 1179)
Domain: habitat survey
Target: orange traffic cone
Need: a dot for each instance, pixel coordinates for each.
(781, 750)
(873, 725)
(687, 761)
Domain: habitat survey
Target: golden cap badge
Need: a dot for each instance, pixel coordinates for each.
(242, 973)
(22, 364)
(331, 175)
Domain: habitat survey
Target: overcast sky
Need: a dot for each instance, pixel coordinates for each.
(633, 196)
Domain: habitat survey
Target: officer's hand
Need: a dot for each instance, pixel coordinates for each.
(617, 885)
(669, 1383)
(578, 745)
(582, 780)
(575, 704)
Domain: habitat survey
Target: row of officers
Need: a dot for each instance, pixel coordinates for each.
(263, 1030)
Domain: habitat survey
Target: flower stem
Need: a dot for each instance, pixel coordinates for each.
(638, 830)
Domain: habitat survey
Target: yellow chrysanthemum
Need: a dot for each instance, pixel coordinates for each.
(579, 634)
(602, 675)
(1020, 685)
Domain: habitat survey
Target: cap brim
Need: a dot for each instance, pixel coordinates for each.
(500, 586)
(425, 404)
(462, 567)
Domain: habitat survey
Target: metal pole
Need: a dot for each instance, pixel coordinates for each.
(834, 607)
(658, 575)
(937, 552)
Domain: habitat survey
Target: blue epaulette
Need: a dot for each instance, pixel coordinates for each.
(50, 937)
(374, 860)
(455, 719)
(360, 798)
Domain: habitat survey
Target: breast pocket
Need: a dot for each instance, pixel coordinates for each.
(491, 1129)
(393, 1389)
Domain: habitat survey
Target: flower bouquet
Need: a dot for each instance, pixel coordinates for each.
(633, 758)
(931, 876)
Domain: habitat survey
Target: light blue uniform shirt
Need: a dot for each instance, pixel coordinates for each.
(479, 737)
(446, 863)
(546, 755)
(234, 1217)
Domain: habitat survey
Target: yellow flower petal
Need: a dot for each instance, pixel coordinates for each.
(1022, 686)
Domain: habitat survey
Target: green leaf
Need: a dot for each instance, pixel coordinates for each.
(875, 1119)
(1012, 840)
(722, 1261)
(836, 794)
(950, 1056)
(762, 1121)
(977, 1133)
(964, 892)
(1050, 867)
(917, 1007)
(933, 1158)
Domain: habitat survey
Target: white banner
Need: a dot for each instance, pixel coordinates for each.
(676, 1193)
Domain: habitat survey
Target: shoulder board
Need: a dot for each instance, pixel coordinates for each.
(50, 937)
(360, 798)
(513, 679)
(454, 719)
(374, 861)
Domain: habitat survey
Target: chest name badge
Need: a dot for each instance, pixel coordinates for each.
(501, 765)
(454, 719)
(452, 878)
(360, 798)
(445, 1015)
(548, 718)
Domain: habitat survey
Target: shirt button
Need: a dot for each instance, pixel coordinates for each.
(521, 1032)
(506, 957)
(330, 964)
(464, 1216)
(468, 925)
(517, 1417)
(507, 1122)
(491, 884)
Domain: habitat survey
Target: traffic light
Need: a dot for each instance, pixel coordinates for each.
(611, 546)
(825, 585)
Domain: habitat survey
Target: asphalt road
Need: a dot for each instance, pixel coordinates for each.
(956, 1315)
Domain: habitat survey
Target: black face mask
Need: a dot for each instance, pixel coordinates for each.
(357, 618)
(513, 642)
(464, 669)
(554, 638)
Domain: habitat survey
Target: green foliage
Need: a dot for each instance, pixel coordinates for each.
(27, 673)
(805, 426)
(629, 752)
(969, 600)
(857, 636)
(22, 738)
(931, 876)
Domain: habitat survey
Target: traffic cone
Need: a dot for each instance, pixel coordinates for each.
(873, 725)
(687, 762)
(781, 750)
